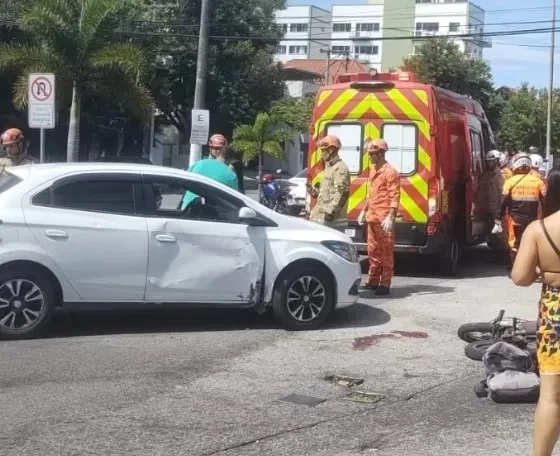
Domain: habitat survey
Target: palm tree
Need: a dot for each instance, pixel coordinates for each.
(265, 136)
(76, 40)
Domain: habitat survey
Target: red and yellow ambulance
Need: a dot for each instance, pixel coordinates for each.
(437, 141)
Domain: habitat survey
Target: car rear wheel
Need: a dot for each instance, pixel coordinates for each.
(303, 298)
(26, 304)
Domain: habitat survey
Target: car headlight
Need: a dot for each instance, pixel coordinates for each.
(343, 249)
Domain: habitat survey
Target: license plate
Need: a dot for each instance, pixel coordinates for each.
(350, 233)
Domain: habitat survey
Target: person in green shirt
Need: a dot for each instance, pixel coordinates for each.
(215, 169)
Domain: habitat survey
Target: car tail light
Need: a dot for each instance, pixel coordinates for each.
(432, 229)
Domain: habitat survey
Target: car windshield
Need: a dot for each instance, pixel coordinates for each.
(302, 173)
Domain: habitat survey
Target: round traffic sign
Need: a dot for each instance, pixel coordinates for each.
(41, 89)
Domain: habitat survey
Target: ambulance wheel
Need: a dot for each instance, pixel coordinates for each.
(450, 258)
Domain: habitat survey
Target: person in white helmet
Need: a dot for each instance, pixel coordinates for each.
(505, 166)
(537, 164)
(488, 199)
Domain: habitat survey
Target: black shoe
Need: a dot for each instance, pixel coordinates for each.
(369, 286)
(382, 291)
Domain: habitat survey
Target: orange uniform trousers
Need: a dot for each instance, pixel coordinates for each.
(380, 253)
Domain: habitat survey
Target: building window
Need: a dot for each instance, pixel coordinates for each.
(367, 27)
(280, 49)
(429, 27)
(298, 50)
(283, 28)
(367, 50)
(299, 27)
(340, 50)
(342, 27)
(454, 26)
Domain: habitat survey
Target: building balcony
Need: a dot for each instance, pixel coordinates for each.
(463, 33)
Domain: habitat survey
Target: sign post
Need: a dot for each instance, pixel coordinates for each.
(41, 109)
(200, 128)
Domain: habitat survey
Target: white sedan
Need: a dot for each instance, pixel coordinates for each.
(112, 233)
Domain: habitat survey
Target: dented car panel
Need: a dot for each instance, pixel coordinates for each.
(203, 261)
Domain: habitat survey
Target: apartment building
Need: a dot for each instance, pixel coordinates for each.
(376, 33)
(306, 30)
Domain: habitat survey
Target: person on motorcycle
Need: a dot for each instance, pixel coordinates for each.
(504, 166)
(488, 198)
(522, 194)
(12, 141)
(332, 196)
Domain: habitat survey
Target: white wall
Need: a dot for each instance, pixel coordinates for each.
(317, 21)
(354, 15)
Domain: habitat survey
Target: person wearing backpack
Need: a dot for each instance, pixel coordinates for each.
(539, 256)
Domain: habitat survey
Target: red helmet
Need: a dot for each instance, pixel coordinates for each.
(267, 177)
(217, 140)
(11, 136)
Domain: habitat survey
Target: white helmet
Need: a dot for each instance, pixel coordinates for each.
(493, 155)
(504, 160)
(536, 161)
(521, 160)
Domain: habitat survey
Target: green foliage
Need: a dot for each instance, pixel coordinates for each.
(442, 63)
(294, 112)
(75, 39)
(242, 78)
(524, 119)
(263, 136)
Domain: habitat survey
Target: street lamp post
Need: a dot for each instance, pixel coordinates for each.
(550, 89)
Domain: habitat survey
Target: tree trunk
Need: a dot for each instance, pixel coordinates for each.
(73, 147)
(259, 174)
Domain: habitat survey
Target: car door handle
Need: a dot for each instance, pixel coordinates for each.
(56, 234)
(166, 238)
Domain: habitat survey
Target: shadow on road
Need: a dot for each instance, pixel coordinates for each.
(164, 320)
(477, 261)
(409, 290)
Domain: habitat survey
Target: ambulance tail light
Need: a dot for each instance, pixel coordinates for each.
(432, 206)
(432, 229)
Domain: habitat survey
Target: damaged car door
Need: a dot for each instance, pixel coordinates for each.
(202, 254)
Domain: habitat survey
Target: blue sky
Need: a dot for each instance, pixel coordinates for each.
(514, 59)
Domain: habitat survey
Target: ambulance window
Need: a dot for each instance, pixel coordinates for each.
(350, 135)
(402, 142)
(476, 146)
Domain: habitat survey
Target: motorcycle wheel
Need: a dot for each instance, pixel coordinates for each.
(281, 208)
(475, 350)
(471, 332)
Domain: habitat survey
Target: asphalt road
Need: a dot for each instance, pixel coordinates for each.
(210, 383)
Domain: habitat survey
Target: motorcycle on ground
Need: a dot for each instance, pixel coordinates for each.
(481, 335)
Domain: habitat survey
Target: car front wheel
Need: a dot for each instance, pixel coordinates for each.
(303, 298)
(26, 304)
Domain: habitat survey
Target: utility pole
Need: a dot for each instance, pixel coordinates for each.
(201, 70)
(550, 89)
(328, 64)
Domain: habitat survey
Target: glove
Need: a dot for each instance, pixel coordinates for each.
(387, 224)
(362, 218)
(497, 227)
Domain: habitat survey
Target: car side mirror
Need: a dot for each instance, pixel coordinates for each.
(248, 216)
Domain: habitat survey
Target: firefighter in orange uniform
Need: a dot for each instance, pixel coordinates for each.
(379, 213)
(522, 195)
